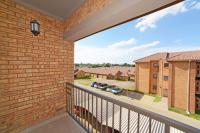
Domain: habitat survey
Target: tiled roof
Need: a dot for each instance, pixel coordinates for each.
(156, 56)
(173, 56)
(187, 55)
(125, 71)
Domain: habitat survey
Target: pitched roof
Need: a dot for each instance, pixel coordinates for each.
(125, 71)
(187, 55)
(156, 56)
(173, 56)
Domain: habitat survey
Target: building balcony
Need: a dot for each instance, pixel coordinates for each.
(37, 57)
(88, 111)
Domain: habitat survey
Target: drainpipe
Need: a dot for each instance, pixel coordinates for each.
(188, 89)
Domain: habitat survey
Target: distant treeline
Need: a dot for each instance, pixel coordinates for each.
(103, 65)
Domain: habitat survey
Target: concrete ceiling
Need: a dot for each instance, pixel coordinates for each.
(60, 9)
(118, 12)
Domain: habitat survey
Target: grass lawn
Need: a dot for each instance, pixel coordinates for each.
(157, 99)
(130, 88)
(183, 112)
(85, 81)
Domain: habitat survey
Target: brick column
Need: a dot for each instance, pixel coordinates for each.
(192, 87)
(170, 88)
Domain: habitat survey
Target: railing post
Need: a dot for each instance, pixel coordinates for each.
(149, 124)
(128, 121)
(101, 114)
(138, 123)
(120, 119)
(96, 122)
(107, 116)
(113, 116)
(167, 128)
(88, 112)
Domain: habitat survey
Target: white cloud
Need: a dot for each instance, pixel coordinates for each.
(144, 46)
(197, 6)
(115, 53)
(151, 20)
(122, 44)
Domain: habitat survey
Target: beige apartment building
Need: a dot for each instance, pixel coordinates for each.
(174, 75)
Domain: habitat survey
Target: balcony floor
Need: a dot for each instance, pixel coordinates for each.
(61, 124)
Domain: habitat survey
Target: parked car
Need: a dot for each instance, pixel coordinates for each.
(116, 90)
(109, 88)
(96, 85)
(102, 86)
(93, 84)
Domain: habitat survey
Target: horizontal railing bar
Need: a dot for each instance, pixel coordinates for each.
(155, 116)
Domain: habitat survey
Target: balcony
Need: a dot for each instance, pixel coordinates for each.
(99, 113)
(34, 68)
(88, 111)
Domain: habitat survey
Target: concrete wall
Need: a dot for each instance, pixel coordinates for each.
(33, 69)
(85, 11)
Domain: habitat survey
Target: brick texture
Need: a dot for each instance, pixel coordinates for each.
(192, 87)
(142, 77)
(180, 84)
(33, 69)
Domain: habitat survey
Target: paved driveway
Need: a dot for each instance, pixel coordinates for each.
(122, 84)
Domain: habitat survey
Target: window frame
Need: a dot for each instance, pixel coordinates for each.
(155, 75)
(154, 87)
(165, 65)
(164, 78)
(155, 64)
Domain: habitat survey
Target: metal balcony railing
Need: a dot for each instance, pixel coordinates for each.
(99, 113)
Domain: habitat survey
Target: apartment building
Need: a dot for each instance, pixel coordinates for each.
(174, 75)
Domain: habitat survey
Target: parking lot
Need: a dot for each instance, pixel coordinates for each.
(127, 85)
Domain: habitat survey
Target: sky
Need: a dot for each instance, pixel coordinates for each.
(176, 28)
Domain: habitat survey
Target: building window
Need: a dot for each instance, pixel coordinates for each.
(155, 64)
(197, 66)
(154, 87)
(166, 65)
(155, 76)
(166, 78)
(197, 71)
(197, 88)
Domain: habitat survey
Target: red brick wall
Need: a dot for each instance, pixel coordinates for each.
(154, 81)
(192, 87)
(178, 85)
(33, 69)
(143, 77)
